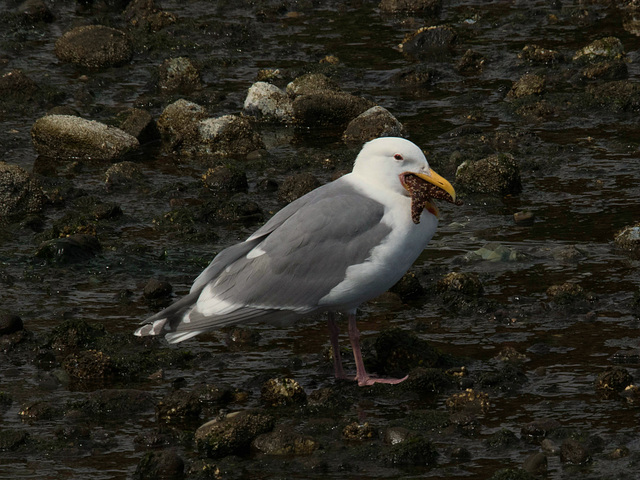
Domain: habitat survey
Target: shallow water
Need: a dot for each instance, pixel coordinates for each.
(581, 177)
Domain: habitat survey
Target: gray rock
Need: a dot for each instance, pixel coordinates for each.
(282, 392)
(285, 442)
(20, 193)
(528, 84)
(66, 136)
(536, 464)
(429, 40)
(123, 174)
(311, 83)
(608, 48)
(178, 123)
(226, 135)
(629, 238)
(573, 452)
(373, 123)
(179, 75)
(138, 123)
(145, 14)
(268, 103)
(328, 108)
(233, 434)
(497, 174)
(423, 7)
(160, 465)
(94, 46)
(72, 249)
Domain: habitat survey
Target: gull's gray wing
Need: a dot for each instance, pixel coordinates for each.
(284, 268)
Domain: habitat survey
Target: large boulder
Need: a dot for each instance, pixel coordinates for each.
(94, 46)
(68, 136)
(20, 193)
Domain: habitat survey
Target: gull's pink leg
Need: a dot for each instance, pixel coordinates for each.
(337, 357)
(362, 376)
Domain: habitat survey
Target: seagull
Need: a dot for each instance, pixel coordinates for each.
(330, 250)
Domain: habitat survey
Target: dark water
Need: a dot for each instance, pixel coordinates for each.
(580, 173)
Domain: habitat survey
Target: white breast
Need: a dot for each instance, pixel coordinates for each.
(390, 260)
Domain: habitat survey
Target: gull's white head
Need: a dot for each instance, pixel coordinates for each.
(385, 160)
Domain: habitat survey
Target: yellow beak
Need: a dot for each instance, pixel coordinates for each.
(440, 182)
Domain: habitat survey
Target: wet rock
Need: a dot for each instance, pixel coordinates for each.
(415, 76)
(178, 123)
(190, 404)
(471, 62)
(35, 11)
(112, 403)
(536, 54)
(408, 287)
(373, 123)
(233, 434)
(524, 219)
(10, 323)
(631, 394)
(75, 248)
(74, 334)
(460, 454)
(88, 364)
(94, 46)
(155, 289)
(160, 465)
(15, 86)
(146, 14)
(460, 283)
(619, 453)
(282, 392)
(422, 7)
(11, 439)
(470, 400)
(604, 48)
(399, 351)
(20, 193)
(328, 108)
(178, 75)
(613, 379)
(567, 293)
(503, 438)
(573, 452)
(507, 377)
(537, 430)
(239, 339)
(536, 464)
(310, 84)
(510, 354)
(618, 96)
(268, 103)
(227, 135)
(416, 451)
(295, 186)
(497, 174)
(327, 399)
(429, 40)
(394, 435)
(356, 431)
(225, 179)
(66, 136)
(427, 380)
(138, 123)
(529, 84)
(606, 70)
(628, 238)
(284, 441)
(123, 174)
(39, 410)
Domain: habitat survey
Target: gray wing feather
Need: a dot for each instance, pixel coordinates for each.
(308, 246)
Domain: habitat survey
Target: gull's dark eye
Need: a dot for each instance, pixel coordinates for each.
(397, 156)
